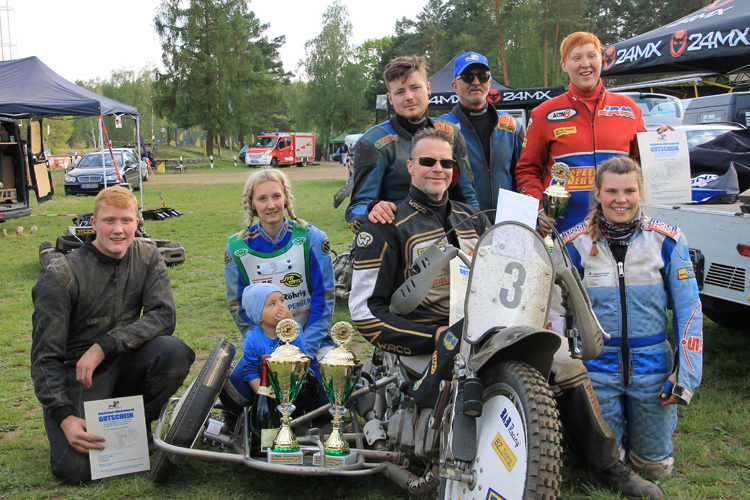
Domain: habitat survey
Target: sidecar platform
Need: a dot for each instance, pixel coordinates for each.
(368, 461)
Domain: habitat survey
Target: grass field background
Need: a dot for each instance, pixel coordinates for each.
(712, 441)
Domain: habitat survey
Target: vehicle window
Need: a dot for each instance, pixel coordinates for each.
(95, 160)
(265, 142)
(712, 117)
(659, 106)
(697, 137)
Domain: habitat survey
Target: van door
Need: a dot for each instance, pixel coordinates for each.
(286, 155)
(40, 176)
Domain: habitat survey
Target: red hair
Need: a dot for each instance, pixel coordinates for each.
(575, 40)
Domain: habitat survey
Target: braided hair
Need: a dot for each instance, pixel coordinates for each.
(617, 165)
(259, 177)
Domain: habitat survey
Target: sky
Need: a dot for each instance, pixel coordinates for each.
(88, 39)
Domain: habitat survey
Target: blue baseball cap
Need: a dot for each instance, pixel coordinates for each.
(467, 59)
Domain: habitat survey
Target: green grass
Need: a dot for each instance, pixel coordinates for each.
(712, 440)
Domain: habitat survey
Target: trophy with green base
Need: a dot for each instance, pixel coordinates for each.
(339, 370)
(555, 197)
(287, 368)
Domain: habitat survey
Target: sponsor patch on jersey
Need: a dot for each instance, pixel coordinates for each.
(450, 341)
(416, 206)
(524, 143)
(292, 279)
(575, 231)
(507, 123)
(446, 127)
(686, 273)
(241, 252)
(531, 120)
(326, 246)
(622, 111)
(299, 240)
(564, 131)
(506, 455)
(581, 179)
(693, 343)
(364, 239)
(227, 258)
(354, 226)
(662, 227)
(561, 115)
(383, 141)
(433, 363)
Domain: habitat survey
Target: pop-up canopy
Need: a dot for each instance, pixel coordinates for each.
(714, 39)
(28, 87)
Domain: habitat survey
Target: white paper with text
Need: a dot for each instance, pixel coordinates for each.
(122, 422)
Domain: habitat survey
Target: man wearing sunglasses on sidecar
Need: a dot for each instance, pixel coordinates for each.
(493, 138)
(384, 253)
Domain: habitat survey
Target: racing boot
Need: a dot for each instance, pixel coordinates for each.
(591, 437)
(425, 390)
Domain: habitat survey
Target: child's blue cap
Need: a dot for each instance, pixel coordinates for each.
(254, 298)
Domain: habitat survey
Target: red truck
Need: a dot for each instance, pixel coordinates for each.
(282, 148)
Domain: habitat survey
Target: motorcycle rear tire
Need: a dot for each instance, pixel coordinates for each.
(527, 390)
(193, 409)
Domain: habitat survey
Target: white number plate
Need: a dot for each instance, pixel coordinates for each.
(89, 186)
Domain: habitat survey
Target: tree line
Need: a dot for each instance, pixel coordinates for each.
(223, 75)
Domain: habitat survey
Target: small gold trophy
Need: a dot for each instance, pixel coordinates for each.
(287, 367)
(339, 371)
(555, 197)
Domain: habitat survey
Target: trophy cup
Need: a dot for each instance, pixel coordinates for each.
(555, 197)
(287, 367)
(339, 371)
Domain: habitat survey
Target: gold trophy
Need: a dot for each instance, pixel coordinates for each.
(555, 197)
(339, 371)
(287, 368)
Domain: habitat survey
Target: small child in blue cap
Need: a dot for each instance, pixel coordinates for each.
(264, 304)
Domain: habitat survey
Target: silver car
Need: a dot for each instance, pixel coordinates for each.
(88, 177)
(658, 109)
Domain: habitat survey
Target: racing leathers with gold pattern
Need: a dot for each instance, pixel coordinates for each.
(382, 260)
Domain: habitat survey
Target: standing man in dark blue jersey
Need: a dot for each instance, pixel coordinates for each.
(493, 138)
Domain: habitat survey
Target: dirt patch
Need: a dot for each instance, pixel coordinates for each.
(203, 176)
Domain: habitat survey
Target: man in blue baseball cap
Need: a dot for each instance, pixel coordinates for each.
(493, 138)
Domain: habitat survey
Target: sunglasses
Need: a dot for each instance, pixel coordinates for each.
(427, 161)
(469, 77)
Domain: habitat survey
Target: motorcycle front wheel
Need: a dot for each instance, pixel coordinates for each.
(518, 439)
(192, 410)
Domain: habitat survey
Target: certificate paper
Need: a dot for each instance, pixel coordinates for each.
(122, 422)
(459, 282)
(666, 167)
(516, 207)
